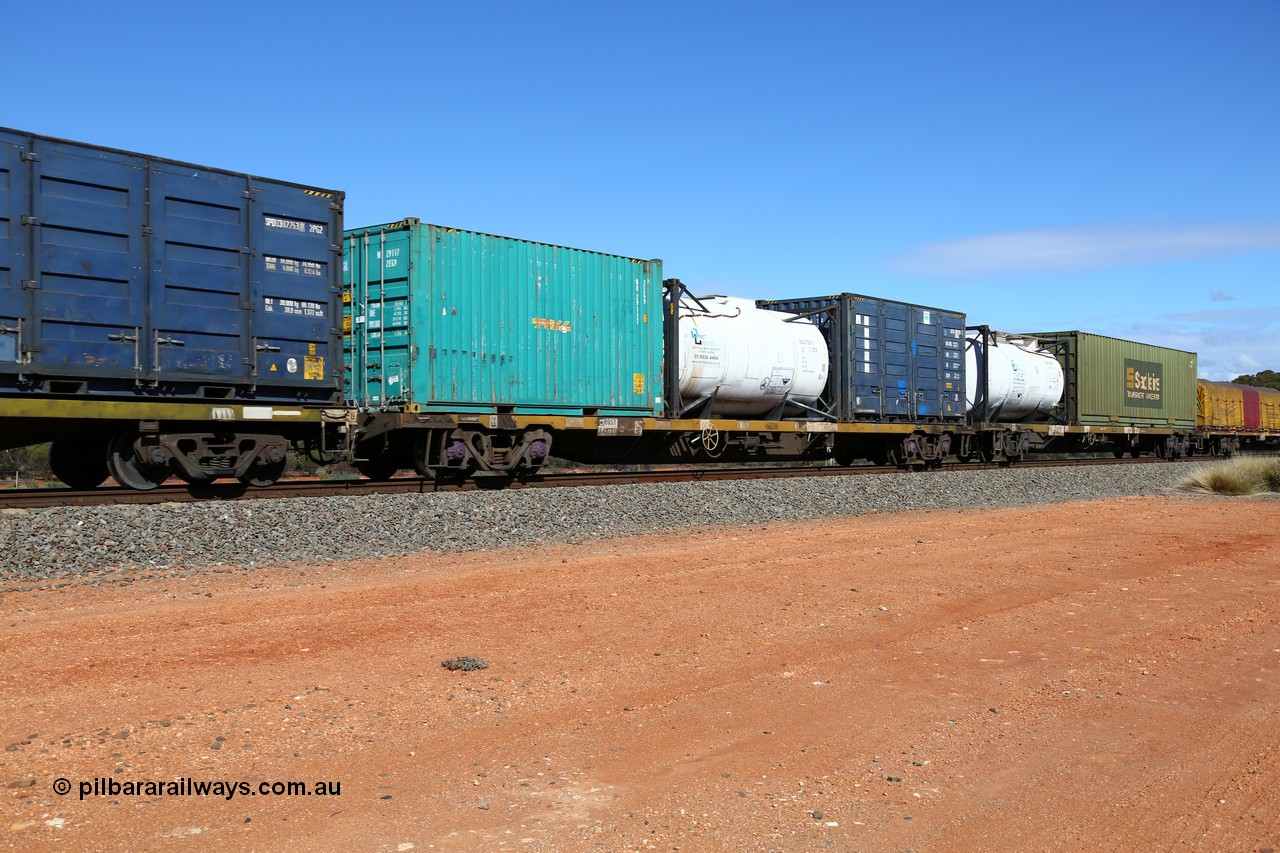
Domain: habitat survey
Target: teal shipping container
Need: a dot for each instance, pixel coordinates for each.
(444, 320)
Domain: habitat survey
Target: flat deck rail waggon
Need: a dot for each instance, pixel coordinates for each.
(159, 317)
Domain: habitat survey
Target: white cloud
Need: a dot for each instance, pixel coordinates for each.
(1050, 250)
(1229, 342)
(1219, 296)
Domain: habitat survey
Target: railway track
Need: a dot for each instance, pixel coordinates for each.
(179, 492)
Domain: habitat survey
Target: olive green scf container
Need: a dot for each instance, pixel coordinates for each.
(1114, 382)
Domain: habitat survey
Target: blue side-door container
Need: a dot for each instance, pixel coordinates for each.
(890, 361)
(123, 274)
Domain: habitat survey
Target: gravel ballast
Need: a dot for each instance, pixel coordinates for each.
(47, 544)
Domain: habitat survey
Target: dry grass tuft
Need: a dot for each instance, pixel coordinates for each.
(1242, 476)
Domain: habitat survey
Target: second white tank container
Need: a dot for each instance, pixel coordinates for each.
(1022, 380)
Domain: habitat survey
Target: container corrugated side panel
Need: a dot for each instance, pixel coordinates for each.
(121, 271)
(1269, 409)
(1113, 381)
(891, 360)
(1219, 405)
(498, 324)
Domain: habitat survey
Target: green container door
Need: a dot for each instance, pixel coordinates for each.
(457, 321)
(1117, 382)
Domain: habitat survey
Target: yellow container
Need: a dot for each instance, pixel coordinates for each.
(1219, 405)
(1268, 409)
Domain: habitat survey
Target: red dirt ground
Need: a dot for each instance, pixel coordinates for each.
(1083, 676)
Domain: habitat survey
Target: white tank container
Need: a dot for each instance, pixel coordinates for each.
(1023, 380)
(749, 358)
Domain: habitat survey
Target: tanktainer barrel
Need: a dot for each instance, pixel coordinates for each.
(1022, 380)
(747, 360)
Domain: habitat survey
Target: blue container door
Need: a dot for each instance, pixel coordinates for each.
(200, 288)
(15, 308)
(89, 264)
(926, 372)
(882, 358)
(938, 363)
(290, 289)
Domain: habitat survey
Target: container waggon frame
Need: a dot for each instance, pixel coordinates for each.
(507, 442)
(1059, 430)
(1070, 429)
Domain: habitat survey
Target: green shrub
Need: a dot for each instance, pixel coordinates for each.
(23, 464)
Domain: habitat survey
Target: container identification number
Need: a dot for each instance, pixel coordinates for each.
(298, 225)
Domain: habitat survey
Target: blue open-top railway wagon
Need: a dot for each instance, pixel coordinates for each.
(161, 318)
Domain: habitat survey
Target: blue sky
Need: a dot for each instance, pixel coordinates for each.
(1113, 167)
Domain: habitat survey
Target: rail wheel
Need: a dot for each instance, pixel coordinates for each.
(80, 463)
(379, 468)
(264, 475)
(127, 469)
(494, 482)
(844, 453)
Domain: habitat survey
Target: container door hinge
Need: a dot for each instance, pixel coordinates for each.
(30, 284)
(30, 156)
(146, 231)
(27, 219)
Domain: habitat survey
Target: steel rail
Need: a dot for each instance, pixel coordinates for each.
(178, 492)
